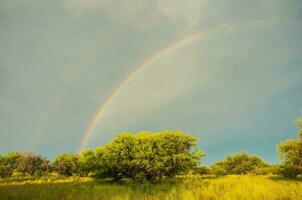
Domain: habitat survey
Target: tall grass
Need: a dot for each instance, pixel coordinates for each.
(182, 188)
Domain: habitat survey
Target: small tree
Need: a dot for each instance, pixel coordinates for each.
(201, 170)
(218, 169)
(239, 163)
(290, 152)
(30, 164)
(66, 164)
(87, 162)
(9, 164)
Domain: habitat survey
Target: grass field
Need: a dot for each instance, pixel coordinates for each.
(182, 188)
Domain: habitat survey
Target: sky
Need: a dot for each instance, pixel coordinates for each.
(228, 72)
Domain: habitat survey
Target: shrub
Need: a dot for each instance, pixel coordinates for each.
(218, 169)
(201, 170)
(290, 152)
(239, 163)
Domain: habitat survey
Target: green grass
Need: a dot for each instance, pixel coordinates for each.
(194, 187)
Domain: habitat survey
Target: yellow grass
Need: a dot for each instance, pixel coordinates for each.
(182, 188)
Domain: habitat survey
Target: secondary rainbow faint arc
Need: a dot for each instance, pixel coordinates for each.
(71, 76)
(136, 70)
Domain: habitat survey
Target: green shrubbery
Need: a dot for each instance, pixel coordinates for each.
(201, 170)
(143, 156)
(290, 152)
(151, 156)
(26, 164)
(238, 163)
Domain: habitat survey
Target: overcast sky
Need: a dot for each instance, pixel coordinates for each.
(237, 86)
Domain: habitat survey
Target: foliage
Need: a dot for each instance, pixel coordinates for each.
(30, 164)
(290, 152)
(238, 163)
(9, 164)
(218, 169)
(86, 162)
(273, 169)
(66, 164)
(143, 156)
(147, 156)
(201, 170)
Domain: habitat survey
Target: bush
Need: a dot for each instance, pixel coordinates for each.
(290, 152)
(238, 163)
(201, 170)
(218, 170)
(289, 171)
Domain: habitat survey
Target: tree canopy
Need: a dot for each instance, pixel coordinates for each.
(238, 163)
(147, 155)
(290, 152)
(66, 164)
(151, 156)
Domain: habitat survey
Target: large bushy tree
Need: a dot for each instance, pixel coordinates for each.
(147, 155)
(290, 152)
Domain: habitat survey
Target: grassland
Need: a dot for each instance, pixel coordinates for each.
(182, 188)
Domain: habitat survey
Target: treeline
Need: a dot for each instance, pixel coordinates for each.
(143, 156)
(151, 156)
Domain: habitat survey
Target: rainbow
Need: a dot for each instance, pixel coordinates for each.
(139, 68)
(135, 71)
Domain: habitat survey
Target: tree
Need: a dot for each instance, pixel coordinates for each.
(147, 155)
(9, 164)
(66, 164)
(239, 163)
(201, 170)
(290, 152)
(30, 164)
(116, 159)
(269, 169)
(87, 162)
(218, 169)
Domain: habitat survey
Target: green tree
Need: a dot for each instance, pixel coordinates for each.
(240, 163)
(9, 164)
(66, 164)
(218, 169)
(269, 169)
(290, 152)
(147, 155)
(30, 164)
(87, 162)
(201, 170)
